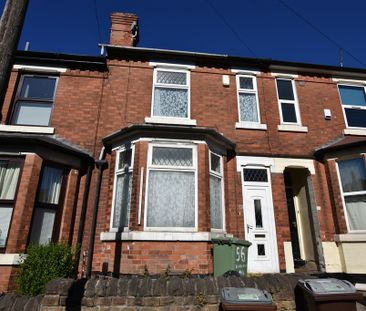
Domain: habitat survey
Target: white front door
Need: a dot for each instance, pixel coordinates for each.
(260, 226)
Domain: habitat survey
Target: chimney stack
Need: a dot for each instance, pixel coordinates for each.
(124, 30)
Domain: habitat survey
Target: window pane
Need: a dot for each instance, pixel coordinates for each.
(261, 250)
(356, 211)
(353, 174)
(246, 83)
(171, 103)
(352, 95)
(9, 173)
(125, 159)
(42, 226)
(122, 200)
(172, 156)
(38, 87)
(49, 191)
(171, 199)
(215, 163)
(288, 112)
(258, 214)
(5, 217)
(255, 174)
(248, 107)
(285, 91)
(28, 113)
(216, 203)
(169, 77)
(356, 117)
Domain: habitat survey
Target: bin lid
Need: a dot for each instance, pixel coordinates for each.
(328, 286)
(245, 295)
(229, 241)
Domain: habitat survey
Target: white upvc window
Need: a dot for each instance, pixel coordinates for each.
(287, 101)
(122, 189)
(171, 199)
(353, 99)
(352, 178)
(216, 192)
(171, 95)
(248, 106)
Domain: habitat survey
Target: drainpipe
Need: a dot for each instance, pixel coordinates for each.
(83, 213)
(101, 164)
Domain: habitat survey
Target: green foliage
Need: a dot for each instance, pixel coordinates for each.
(201, 300)
(42, 264)
(165, 275)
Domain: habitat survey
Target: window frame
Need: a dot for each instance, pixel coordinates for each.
(247, 91)
(121, 172)
(49, 206)
(350, 106)
(11, 203)
(193, 169)
(351, 193)
(18, 98)
(172, 86)
(221, 176)
(294, 101)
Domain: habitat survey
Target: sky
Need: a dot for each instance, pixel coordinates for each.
(311, 31)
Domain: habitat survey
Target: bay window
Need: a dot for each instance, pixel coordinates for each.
(47, 205)
(216, 192)
(352, 173)
(353, 101)
(171, 187)
(122, 189)
(9, 176)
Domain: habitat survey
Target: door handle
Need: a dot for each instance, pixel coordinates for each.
(249, 227)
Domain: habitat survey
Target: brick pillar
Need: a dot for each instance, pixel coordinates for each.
(124, 30)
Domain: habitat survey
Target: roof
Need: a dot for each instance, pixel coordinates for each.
(344, 142)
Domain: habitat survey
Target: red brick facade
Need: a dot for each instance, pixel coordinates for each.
(92, 103)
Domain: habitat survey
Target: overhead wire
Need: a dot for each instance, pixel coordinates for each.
(304, 19)
(223, 19)
(97, 20)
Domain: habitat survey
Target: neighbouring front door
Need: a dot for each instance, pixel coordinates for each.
(259, 221)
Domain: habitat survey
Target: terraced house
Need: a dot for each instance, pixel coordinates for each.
(160, 151)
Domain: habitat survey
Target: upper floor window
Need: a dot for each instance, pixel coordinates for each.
(122, 189)
(34, 100)
(171, 187)
(289, 110)
(216, 192)
(248, 99)
(171, 97)
(47, 207)
(9, 176)
(353, 180)
(354, 105)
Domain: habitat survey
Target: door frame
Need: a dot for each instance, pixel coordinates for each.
(264, 185)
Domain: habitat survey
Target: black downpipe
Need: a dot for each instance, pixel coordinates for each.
(101, 165)
(83, 213)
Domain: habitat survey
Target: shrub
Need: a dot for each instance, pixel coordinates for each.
(42, 264)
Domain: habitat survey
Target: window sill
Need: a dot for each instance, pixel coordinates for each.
(292, 128)
(10, 259)
(179, 121)
(27, 129)
(251, 126)
(360, 132)
(159, 236)
(350, 237)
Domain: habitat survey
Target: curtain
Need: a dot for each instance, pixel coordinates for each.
(356, 211)
(51, 185)
(169, 102)
(353, 174)
(42, 227)
(171, 199)
(5, 216)
(216, 202)
(9, 173)
(248, 107)
(122, 200)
